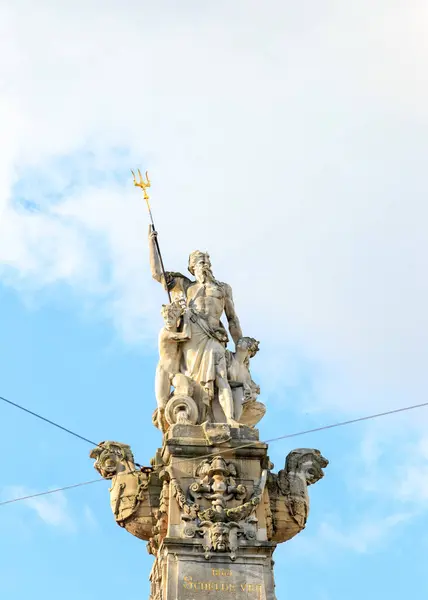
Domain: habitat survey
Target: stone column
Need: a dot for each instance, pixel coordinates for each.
(217, 514)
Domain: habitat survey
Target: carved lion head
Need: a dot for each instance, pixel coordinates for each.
(110, 458)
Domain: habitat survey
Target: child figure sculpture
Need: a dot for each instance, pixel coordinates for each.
(170, 354)
(243, 387)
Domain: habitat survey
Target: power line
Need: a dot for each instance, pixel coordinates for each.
(30, 412)
(350, 422)
(219, 452)
(34, 414)
(282, 437)
(315, 430)
(67, 487)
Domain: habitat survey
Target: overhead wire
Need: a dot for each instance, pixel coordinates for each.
(67, 487)
(34, 414)
(307, 431)
(216, 451)
(46, 420)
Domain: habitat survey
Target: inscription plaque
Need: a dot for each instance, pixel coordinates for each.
(241, 582)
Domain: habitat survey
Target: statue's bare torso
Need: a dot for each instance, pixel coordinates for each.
(208, 299)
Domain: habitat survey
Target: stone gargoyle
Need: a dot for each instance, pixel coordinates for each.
(288, 492)
(134, 493)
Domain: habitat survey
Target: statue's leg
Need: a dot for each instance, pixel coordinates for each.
(224, 392)
(162, 386)
(226, 400)
(162, 391)
(225, 397)
(238, 398)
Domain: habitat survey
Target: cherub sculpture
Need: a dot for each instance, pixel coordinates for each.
(244, 389)
(170, 340)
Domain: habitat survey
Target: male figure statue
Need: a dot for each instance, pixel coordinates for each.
(204, 354)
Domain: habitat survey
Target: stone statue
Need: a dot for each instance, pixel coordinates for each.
(210, 505)
(170, 342)
(288, 491)
(204, 353)
(134, 494)
(238, 371)
(239, 366)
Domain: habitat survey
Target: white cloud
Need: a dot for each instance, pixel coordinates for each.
(89, 517)
(53, 510)
(367, 533)
(364, 537)
(389, 467)
(288, 139)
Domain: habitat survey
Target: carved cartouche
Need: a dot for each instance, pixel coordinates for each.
(134, 493)
(288, 491)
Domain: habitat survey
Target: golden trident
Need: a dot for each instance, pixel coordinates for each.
(144, 185)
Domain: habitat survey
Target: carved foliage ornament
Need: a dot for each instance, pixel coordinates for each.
(219, 526)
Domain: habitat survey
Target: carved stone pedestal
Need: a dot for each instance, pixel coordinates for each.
(188, 576)
(210, 508)
(218, 515)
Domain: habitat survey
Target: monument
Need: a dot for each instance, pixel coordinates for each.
(210, 506)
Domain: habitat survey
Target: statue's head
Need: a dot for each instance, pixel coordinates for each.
(308, 462)
(111, 457)
(171, 313)
(219, 534)
(200, 265)
(249, 345)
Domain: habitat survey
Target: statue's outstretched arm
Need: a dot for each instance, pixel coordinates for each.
(232, 317)
(174, 281)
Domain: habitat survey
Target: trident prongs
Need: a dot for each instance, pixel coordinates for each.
(144, 185)
(141, 183)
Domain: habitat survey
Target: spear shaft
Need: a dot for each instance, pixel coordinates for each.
(160, 259)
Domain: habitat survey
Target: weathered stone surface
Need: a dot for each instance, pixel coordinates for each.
(252, 412)
(210, 506)
(134, 493)
(216, 433)
(190, 578)
(194, 359)
(288, 492)
(212, 513)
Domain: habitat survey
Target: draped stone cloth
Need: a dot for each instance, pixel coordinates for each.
(204, 355)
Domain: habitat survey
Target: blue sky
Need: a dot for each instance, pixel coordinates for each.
(77, 372)
(290, 141)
